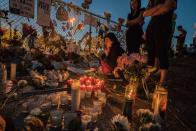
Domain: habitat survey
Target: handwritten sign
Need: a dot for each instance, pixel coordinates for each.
(22, 7)
(43, 12)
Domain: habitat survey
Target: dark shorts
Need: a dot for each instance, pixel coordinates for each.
(134, 40)
(157, 40)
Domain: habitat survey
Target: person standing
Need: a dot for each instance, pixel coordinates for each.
(194, 37)
(180, 40)
(134, 23)
(158, 34)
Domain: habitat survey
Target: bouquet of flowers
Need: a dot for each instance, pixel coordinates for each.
(133, 66)
(147, 122)
(145, 116)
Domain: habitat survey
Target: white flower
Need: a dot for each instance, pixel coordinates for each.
(36, 112)
(122, 120)
(22, 83)
(145, 115)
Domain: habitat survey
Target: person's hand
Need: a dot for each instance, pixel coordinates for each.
(115, 72)
(146, 13)
(127, 23)
(2, 124)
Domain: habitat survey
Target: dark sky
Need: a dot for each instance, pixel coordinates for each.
(120, 8)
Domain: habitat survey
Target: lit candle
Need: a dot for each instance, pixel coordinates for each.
(72, 20)
(82, 87)
(98, 106)
(75, 98)
(88, 82)
(13, 72)
(4, 73)
(59, 102)
(90, 88)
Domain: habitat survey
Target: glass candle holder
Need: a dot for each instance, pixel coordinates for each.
(82, 95)
(25, 107)
(64, 101)
(103, 100)
(68, 117)
(88, 94)
(85, 120)
(98, 106)
(56, 117)
(131, 90)
(94, 114)
(45, 107)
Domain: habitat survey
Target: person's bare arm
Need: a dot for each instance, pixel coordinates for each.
(160, 9)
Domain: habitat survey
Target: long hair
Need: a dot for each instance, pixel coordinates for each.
(115, 50)
(138, 3)
(113, 38)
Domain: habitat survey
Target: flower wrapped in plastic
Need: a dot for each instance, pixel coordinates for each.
(22, 83)
(121, 122)
(145, 116)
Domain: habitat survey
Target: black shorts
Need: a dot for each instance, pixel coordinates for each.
(133, 40)
(157, 40)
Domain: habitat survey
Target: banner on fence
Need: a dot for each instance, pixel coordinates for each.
(43, 12)
(22, 7)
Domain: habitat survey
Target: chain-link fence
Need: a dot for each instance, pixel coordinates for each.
(63, 28)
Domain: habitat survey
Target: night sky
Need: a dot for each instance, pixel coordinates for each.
(120, 8)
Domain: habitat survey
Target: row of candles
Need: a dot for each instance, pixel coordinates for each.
(87, 83)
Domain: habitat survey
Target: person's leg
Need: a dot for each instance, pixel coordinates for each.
(163, 56)
(152, 60)
(163, 75)
(129, 42)
(194, 42)
(137, 41)
(150, 44)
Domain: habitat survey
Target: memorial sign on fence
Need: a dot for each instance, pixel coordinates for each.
(22, 7)
(43, 12)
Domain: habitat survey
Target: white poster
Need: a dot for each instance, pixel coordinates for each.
(22, 7)
(43, 12)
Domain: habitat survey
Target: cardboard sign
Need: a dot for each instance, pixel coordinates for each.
(43, 12)
(22, 7)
